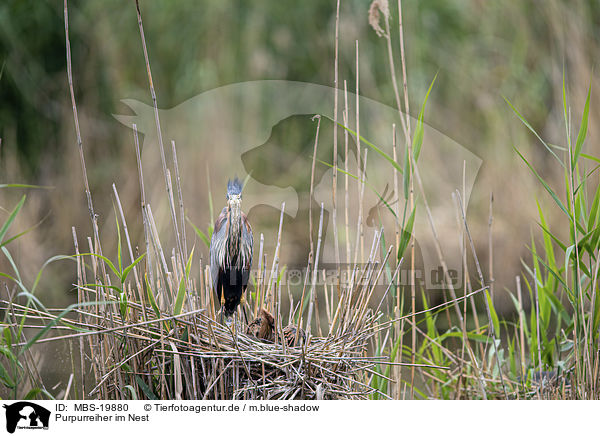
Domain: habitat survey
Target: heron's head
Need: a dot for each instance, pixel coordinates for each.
(234, 196)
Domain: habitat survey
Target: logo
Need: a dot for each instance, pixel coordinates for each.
(26, 415)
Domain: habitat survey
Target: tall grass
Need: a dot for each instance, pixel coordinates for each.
(562, 275)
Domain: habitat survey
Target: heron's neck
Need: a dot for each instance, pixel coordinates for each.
(235, 224)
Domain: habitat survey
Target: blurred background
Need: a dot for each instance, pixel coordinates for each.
(481, 51)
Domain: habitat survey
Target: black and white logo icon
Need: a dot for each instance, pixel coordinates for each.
(26, 415)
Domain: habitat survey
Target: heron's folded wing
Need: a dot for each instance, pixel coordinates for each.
(217, 247)
(247, 242)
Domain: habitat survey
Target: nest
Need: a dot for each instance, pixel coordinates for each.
(194, 356)
(226, 363)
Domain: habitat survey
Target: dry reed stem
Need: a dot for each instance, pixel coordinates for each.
(358, 158)
(312, 182)
(482, 283)
(180, 198)
(88, 194)
(346, 169)
(275, 265)
(312, 295)
(335, 137)
(159, 133)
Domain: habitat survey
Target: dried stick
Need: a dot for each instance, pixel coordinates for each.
(180, 198)
(159, 132)
(335, 138)
(88, 194)
(314, 275)
(312, 182)
(482, 283)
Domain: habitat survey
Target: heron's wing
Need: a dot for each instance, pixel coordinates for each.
(217, 245)
(247, 242)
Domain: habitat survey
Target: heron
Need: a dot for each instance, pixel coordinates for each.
(291, 332)
(262, 327)
(231, 252)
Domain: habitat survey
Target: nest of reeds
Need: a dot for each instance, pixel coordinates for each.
(199, 358)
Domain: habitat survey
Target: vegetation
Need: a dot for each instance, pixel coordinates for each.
(145, 323)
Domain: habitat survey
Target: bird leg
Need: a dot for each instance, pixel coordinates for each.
(243, 308)
(222, 305)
